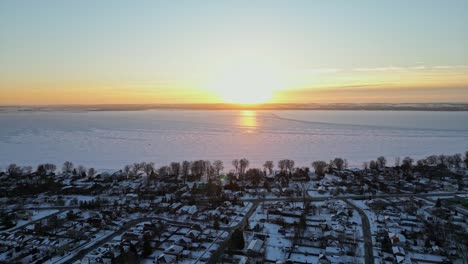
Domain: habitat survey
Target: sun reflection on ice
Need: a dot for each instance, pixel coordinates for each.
(248, 120)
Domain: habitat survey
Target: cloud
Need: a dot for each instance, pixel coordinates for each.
(409, 68)
(374, 93)
(450, 67)
(417, 68)
(390, 68)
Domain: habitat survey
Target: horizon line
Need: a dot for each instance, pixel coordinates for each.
(428, 106)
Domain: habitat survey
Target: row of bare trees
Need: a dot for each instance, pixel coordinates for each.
(286, 165)
(185, 168)
(240, 165)
(49, 168)
(200, 168)
(15, 170)
(456, 161)
(80, 170)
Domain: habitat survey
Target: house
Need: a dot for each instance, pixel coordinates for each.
(186, 253)
(322, 259)
(333, 251)
(396, 239)
(399, 253)
(174, 250)
(193, 234)
(330, 235)
(131, 197)
(164, 258)
(255, 248)
(427, 258)
(187, 209)
(184, 242)
(174, 207)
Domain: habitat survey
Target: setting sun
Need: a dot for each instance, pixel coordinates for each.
(247, 85)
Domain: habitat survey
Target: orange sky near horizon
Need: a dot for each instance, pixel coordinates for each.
(322, 86)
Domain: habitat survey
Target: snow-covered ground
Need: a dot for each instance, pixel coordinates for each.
(109, 140)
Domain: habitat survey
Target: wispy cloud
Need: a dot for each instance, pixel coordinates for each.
(389, 68)
(417, 68)
(450, 67)
(409, 68)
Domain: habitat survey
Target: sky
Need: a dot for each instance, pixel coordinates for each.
(131, 52)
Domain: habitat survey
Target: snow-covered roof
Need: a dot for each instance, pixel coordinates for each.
(255, 245)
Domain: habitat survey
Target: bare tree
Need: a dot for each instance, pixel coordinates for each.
(407, 163)
(319, 166)
(175, 169)
(67, 167)
(91, 172)
(365, 165)
(338, 163)
(164, 171)
(282, 165)
(14, 170)
(127, 169)
(443, 159)
(198, 168)
(206, 164)
(432, 160)
(420, 163)
(81, 170)
(269, 166)
(218, 166)
(41, 171)
(465, 160)
(254, 175)
(185, 169)
(138, 167)
(211, 171)
(290, 165)
(149, 168)
(381, 162)
(50, 168)
(457, 160)
(244, 164)
(397, 161)
(235, 163)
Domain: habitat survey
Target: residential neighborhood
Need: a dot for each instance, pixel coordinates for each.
(410, 213)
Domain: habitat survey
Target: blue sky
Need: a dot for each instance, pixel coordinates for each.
(175, 46)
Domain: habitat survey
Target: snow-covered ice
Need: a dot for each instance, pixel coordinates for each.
(111, 139)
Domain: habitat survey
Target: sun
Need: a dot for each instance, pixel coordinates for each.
(246, 85)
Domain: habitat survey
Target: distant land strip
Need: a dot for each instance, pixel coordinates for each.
(221, 106)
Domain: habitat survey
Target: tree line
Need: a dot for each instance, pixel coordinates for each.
(456, 161)
(205, 168)
(48, 168)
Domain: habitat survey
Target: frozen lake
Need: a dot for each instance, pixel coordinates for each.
(111, 139)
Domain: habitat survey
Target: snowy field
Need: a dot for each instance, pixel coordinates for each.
(111, 139)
